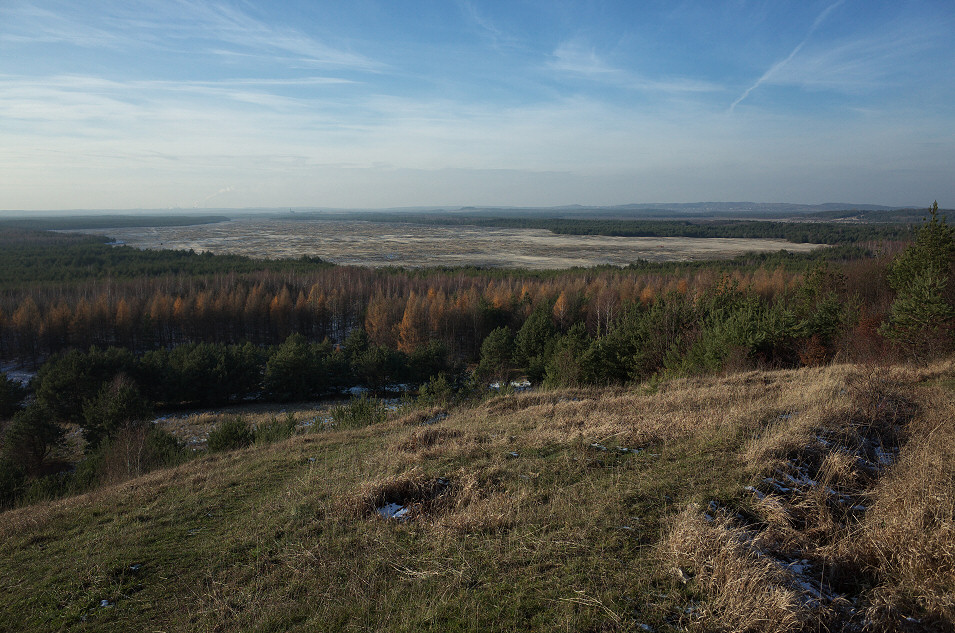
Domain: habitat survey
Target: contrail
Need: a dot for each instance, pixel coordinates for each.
(769, 73)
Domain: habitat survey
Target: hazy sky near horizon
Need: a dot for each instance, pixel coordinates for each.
(195, 104)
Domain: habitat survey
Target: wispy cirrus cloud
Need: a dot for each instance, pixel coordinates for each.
(132, 25)
(861, 63)
(81, 96)
(26, 24)
(228, 23)
(485, 26)
(575, 58)
(775, 68)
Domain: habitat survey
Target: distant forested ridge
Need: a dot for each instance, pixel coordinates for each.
(799, 232)
(30, 257)
(815, 232)
(80, 222)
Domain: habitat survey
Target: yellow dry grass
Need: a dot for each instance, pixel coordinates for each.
(745, 590)
(513, 488)
(883, 535)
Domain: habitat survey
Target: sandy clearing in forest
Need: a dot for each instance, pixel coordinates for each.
(417, 245)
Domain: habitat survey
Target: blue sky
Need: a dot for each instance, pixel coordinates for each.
(365, 103)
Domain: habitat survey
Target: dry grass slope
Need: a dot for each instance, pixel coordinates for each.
(851, 525)
(590, 510)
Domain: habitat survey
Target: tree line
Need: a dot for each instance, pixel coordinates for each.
(814, 232)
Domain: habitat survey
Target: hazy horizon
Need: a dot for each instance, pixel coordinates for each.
(203, 105)
(675, 207)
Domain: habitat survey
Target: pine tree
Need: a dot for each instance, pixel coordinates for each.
(923, 312)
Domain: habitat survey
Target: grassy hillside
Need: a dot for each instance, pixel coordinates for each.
(790, 500)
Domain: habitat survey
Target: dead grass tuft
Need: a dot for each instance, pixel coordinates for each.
(421, 495)
(522, 401)
(422, 416)
(817, 464)
(427, 438)
(858, 478)
(908, 535)
(746, 590)
(482, 505)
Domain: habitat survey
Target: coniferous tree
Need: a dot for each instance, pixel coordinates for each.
(923, 312)
(31, 437)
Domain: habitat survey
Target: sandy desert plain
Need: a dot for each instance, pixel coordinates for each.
(417, 245)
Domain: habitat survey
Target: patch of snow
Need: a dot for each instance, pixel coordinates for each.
(393, 511)
(800, 567)
(803, 480)
(16, 373)
(519, 385)
(777, 485)
(885, 458)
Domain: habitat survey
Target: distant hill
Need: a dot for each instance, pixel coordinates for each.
(829, 212)
(83, 222)
(724, 210)
(907, 215)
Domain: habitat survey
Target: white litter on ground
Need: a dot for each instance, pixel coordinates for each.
(393, 511)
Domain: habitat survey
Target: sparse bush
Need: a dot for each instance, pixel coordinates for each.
(48, 487)
(275, 430)
(11, 396)
(437, 392)
(359, 412)
(445, 390)
(12, 479)
(231, 434)
(134, 450)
